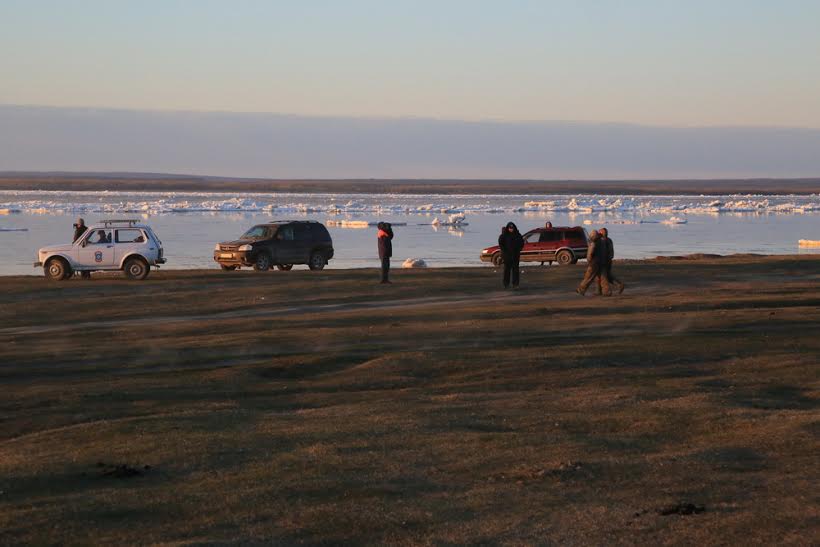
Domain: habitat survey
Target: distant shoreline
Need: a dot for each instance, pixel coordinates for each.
(189, 183)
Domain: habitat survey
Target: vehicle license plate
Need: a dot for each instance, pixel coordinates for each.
(225, 255)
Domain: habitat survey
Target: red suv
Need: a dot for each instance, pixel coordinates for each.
(560, 244)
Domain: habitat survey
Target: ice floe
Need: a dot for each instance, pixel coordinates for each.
(349, 223)
(457, 219)
(414, 263)
(109, 202)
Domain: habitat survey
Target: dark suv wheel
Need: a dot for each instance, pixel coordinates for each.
(498, 260)
(317, 261)
(262, 263)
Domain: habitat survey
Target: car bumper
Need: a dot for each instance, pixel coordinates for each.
(486, 257)
(160, 261)
(233, 258)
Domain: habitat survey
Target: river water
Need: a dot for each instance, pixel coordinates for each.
(190, 223)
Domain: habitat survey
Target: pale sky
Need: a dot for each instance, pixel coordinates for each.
(656, 62)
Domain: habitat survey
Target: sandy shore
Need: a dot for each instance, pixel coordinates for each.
(316, 407)
(182, 183)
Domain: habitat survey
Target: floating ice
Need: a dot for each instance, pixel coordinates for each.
(808, 243)
(349, 223)
(674, 220)
(109, 202)
(414, 263)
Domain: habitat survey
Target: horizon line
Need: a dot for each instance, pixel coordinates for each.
(68, 173)
(494, 121)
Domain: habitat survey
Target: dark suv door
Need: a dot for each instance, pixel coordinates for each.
(285, 245)
(303, 238)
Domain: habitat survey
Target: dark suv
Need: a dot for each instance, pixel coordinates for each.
(282, 243)
(560, 244)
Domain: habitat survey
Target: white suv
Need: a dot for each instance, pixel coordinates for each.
(106, 246)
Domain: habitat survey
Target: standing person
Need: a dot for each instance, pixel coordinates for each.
(385, 239)
(594, 261)
(511, 243)
(609, 255)
(79, 229)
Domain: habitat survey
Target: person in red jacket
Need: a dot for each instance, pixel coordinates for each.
(385, 239)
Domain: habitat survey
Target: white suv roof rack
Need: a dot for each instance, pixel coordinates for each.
(118, 221)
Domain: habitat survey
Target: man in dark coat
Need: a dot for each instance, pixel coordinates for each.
(609, 255)
(79, 229)
(511, 243)
(595, 259)
(385, 239)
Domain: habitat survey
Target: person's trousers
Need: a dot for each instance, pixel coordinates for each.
(385, 268)
(511, 269)
(611, 280)
(593, 272)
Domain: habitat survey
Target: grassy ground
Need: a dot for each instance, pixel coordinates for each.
(306, 407)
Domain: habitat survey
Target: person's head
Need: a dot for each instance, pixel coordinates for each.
(80, 222)
(511, 228)
(604, 232)
(594, 235)
(380, 225)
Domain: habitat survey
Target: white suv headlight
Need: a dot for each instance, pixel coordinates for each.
(217, 248)
(246, 248)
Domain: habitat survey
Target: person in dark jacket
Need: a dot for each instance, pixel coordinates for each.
(608, 252)
(79, 229)
(385, 239)
(595, 258)
(511, 243)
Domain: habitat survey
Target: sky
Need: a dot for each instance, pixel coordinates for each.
(651, 62)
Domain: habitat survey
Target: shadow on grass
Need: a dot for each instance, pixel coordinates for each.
(775, 397)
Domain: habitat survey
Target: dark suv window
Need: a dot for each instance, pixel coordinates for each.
(285, 233)
(319, 232)
(257, 232)
(301, 232)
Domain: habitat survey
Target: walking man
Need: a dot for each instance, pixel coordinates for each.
(511, 243)
(609, 254)
(385, 239)
(595, 259)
